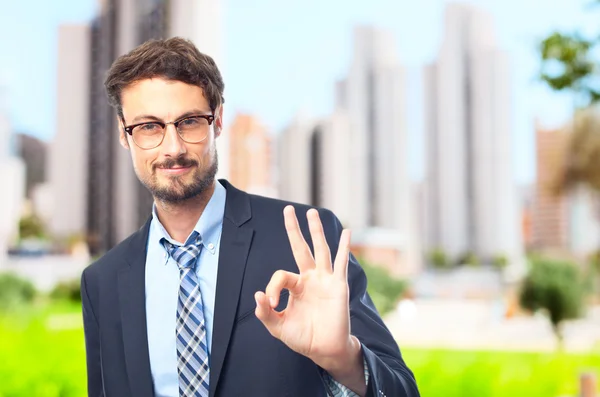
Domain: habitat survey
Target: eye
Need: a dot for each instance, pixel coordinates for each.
(149, 127)
(191, 122)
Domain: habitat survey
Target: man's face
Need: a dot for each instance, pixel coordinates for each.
(175, 170)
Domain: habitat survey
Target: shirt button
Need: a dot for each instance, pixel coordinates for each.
(211, 246)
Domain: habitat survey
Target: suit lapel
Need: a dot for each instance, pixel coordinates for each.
(132, 301)
(235, 246)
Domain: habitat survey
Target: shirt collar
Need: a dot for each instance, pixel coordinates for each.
(209, 225)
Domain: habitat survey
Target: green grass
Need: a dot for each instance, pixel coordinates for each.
(42, 354)
(452, 373)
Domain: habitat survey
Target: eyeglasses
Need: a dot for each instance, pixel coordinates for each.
(149, 135)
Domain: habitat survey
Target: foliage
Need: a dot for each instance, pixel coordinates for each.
(14, 292)
(555, 287)
(383, 289)
(456, 373)
(568, 65)
(31, 226)
(438, 259)
(67, 290)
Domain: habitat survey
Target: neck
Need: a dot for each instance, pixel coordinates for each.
(179, 219)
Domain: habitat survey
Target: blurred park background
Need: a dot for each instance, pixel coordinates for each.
(460, 141)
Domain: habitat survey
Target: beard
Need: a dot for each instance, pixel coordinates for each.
(178, 190)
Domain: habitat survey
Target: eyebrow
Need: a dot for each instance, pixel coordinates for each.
(194, 112)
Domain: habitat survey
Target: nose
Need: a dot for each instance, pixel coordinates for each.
(172, 144)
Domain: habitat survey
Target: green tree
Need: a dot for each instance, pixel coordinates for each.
(556, 288)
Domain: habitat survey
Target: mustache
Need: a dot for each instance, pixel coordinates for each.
(178, 162)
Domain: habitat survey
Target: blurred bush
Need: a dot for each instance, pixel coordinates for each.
(438, 259)
(67, 290)
(31, 227)
(384, 289)
(469, 258)
(555, 287)
(499, 261)
(15, 292)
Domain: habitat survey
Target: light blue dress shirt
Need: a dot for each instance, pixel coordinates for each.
(162, 289)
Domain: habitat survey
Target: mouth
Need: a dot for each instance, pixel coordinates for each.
(177, 170)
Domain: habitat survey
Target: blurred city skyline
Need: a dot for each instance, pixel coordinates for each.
(291, 69)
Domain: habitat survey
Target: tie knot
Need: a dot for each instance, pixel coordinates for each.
(185, 255)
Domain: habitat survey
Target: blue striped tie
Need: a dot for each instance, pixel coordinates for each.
(192, 352)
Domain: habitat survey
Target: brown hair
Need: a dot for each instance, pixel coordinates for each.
(172, 59)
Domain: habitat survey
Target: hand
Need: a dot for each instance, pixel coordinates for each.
(316, 321)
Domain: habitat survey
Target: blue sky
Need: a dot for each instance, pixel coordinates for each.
(282, 56)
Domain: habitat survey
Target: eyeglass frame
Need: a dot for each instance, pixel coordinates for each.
(210, 118)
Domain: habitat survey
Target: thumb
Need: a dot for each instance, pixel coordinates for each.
(271, 319)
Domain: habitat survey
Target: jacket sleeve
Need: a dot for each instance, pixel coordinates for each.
(92, 342)
(388, 374)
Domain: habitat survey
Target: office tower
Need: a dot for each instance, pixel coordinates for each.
(471, 197)
(295, 160)
(12, 177)
(251, 156)
(118, 203)
(33, 152)
(68, 151)
(372, 96)
(550, 223)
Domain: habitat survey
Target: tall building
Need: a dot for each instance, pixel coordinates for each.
(354, 161)
(373, 97)
(201, 22)
(251, 156)
(33, 152)
(68, 152)
(471, 196)
(295, 161)
(12, 177)
(550, 221)
(117, 203)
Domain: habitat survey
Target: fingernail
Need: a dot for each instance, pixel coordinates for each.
(272, 301)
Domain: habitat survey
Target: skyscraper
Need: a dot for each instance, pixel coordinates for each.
(471, 197)
(251, 156)
(68, 154)
(12, 177)
(117, 203)
(550, 208)
(372, 95)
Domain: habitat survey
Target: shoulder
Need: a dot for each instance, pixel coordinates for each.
(116, 256)
(267, 208)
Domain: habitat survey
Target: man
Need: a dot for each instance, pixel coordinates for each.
(219, 293)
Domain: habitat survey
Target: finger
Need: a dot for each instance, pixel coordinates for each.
(322, 253)
(271, 319)
(340, 268)
(279, 281)
(300, 249)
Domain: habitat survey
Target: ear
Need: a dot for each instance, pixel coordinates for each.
(122, 134)
(219, 122)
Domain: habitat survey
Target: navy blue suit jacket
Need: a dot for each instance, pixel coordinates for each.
(245, 359)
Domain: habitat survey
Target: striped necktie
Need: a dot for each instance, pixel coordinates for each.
(192, 351)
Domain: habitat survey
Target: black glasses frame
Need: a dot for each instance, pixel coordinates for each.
(129, 128)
